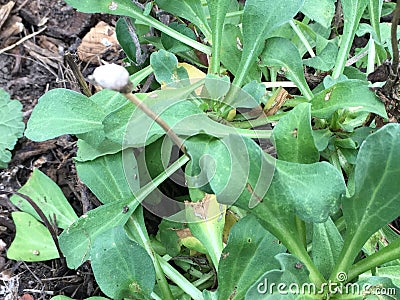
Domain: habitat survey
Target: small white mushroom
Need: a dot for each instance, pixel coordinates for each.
(113, 77)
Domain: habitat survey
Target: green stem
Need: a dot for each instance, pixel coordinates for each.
(232, 14)
(302, 38)
(137, 231)
(301, 229)
(134, 12)
(347, 256)
(257, 122)
(341, 224)
(387, 254)
(255, 134)
(297, 249)
(350, 25)
(140, 75)
(134, 228)
(179, 280)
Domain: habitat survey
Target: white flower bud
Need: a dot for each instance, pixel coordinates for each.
(113, 77)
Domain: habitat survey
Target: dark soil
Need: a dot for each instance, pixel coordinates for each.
(27, 72)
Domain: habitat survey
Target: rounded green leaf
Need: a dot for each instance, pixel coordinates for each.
(62, 111)
(122, 268)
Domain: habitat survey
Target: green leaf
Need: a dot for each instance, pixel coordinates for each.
(352, 11)
(167, 231)
(172, 45)
(110, 177)
(218, 10)
(190, 10)
(255, 90)
(48, 197)
(122, 268)
(125, 39)
(61, 297)
(87, 151)
(76, 241)
(322, 138)
(157, 156)
(166, 70)
(392, 272)
(375, 12)
(313, 190)
(33, 241)
(293, 136)
(374, 286)
(129, 9)
(248, 244)
(76, 246)
(280, 284)
(326, 245)
(11, 126)
(215, 87)
(376, 199)
(282, 53)
(322, 13)
(231, 55)
(325, 60)
(351, 94)
(260, 18)
(206, 220)
(62, 111)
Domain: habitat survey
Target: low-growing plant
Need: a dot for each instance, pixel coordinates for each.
(310, 223)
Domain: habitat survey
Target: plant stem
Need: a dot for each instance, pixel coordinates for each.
(352, 19)
(302, 38)
(387, 254)
(156, 118)
(347, 256)
(140, 75)
(232, 14)
(301, 229)
(180, 281)
(395, 46)
(134, 228)
(136, 13)
(296, 248)
(257, 122)
(255, 134)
